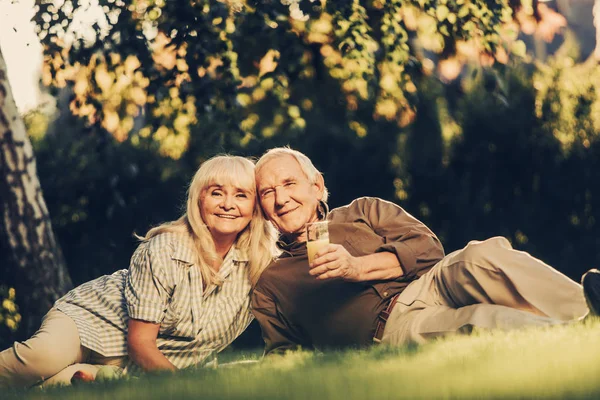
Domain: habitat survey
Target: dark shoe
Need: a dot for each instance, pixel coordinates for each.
(591, 289)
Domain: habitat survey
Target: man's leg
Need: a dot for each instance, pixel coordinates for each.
(53, 347)
(418, 325)
(492, 272)
(487, 285)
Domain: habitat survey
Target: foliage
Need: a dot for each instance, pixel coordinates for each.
(9, 315)
(157, 86)
(516, 156)
(100, 192)
(558, 362)
(166, 70)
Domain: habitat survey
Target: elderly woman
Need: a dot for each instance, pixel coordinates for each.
(184, 297)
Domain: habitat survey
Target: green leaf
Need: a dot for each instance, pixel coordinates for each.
(463, 12)
(519, 49)
(442, 12)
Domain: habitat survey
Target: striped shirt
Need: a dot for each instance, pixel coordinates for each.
(163, 285)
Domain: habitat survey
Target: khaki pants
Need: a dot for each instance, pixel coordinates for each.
(486, 285)
(51, 356)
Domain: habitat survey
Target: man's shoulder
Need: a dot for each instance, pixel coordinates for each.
(280, 269)
(358, 205)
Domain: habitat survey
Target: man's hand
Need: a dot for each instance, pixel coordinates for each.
(334, 261)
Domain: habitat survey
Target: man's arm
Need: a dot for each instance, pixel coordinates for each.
(278, 335)
(334, 261)
(409, 246)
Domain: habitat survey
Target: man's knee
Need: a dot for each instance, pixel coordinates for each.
(481, 252)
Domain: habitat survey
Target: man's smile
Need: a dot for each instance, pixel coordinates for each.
(282, 213)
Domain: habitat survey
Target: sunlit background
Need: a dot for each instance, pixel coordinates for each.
(497, 135)
(22, 52)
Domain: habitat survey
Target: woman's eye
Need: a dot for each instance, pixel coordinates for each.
(216, 193)
(242, 195)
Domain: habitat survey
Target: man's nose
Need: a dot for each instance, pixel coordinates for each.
(281, 196)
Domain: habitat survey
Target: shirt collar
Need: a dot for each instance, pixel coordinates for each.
(293, 248)
(185, 250)
(239, 255)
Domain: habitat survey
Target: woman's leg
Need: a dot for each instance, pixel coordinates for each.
(52, 348)
(94, 362)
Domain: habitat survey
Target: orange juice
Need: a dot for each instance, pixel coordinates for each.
(314, 246)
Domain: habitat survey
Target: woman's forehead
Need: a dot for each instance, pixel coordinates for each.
(232, 184)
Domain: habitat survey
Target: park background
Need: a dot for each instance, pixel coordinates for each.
(478, 121)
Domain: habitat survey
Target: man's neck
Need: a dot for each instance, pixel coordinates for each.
(299, 237)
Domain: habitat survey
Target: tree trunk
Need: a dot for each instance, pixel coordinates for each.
(32, 261)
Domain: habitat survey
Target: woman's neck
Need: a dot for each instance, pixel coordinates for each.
(222, 246)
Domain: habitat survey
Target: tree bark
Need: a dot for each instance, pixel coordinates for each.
(32, 262)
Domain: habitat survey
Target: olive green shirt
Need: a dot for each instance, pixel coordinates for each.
(295, 309)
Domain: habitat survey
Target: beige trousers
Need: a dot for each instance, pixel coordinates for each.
(486, 285)
(51, 356)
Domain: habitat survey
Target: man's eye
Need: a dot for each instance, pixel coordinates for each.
(267, 193)
(290, 184)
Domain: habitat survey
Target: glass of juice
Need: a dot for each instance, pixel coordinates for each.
(317, 237)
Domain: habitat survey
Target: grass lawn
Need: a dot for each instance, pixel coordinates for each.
(559, 362)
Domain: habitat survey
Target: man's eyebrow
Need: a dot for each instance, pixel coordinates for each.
(263, 189)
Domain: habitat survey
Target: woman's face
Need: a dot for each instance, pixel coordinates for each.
(226, 210)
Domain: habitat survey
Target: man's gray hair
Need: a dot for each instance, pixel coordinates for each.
(306, 165)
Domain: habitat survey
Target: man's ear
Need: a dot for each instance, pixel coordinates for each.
(320, 184)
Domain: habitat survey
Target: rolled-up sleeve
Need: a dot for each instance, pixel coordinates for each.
(415, 245)
(146, 290)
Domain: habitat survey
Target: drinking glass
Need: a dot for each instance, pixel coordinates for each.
(317, 237)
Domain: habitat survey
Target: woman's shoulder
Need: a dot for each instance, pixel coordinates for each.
(166, 239)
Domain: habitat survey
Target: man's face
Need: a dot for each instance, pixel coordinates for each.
(287, 197)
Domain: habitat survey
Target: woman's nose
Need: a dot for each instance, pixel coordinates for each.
(227, 202)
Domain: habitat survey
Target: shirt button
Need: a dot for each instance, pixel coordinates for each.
(385, 294)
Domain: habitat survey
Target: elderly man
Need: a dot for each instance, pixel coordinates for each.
(384, 276)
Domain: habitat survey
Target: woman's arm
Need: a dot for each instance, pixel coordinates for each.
(141, 345)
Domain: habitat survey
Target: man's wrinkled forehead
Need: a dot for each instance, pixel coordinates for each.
(279, 170)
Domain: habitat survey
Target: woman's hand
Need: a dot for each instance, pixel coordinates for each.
(141, 346)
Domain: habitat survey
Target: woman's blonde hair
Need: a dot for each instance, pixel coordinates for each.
(257, 240)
